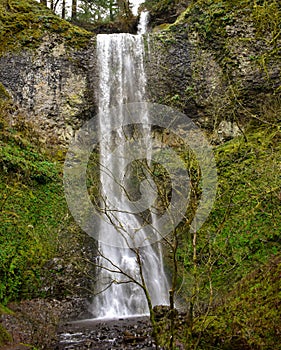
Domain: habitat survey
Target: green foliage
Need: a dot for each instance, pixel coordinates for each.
(98, 10)
(24, 23)
(31, 210)
(242, 235)
(29, 218)
(107, 16)
(250, 317)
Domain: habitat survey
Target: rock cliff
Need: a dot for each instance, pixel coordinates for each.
(218, 64)
(52, 84)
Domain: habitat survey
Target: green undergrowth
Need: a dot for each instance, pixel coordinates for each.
(234, 284)
(250, 316)
(244, 226)
(23, 24)
(32, 208)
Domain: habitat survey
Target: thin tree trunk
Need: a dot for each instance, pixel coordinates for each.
(63, 10)
(55, 4)
(111, 10)
(74, 10)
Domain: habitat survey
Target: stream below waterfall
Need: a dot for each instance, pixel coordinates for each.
(129, 333)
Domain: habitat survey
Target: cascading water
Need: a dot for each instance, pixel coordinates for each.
(123, 80)
(143, 22)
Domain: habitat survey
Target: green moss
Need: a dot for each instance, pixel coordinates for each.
(245, 223)
(4, 95)
(210, 20)
(238, 249)
(24, 24)
(161, 27)
(5, 337)
(32, 208)
(250, 317)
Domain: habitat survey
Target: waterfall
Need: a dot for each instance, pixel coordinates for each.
(123, 80)
(143, 23)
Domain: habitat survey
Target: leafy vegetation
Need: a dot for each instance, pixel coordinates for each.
(228, 271)
(247, 216)
(249, 318)
(31, 208)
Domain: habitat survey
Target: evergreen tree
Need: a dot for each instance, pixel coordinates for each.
(92, 10)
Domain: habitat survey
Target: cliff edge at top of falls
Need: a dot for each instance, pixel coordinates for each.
(217, 62)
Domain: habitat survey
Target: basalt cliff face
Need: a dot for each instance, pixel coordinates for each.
(53, 84)
(222, 79)
(221, 73)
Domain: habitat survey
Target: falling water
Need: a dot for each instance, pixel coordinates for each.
(143, 23)
(123, 80)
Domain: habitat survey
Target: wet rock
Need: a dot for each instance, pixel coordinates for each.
(131, 333)
(36, 321)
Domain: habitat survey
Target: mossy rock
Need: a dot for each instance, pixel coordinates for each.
(161, 27)
(23, 24)
(4, 95)
(5, 337)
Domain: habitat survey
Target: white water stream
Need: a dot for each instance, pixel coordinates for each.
(123, 80)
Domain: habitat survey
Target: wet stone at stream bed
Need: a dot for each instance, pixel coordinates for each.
(102, 334)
